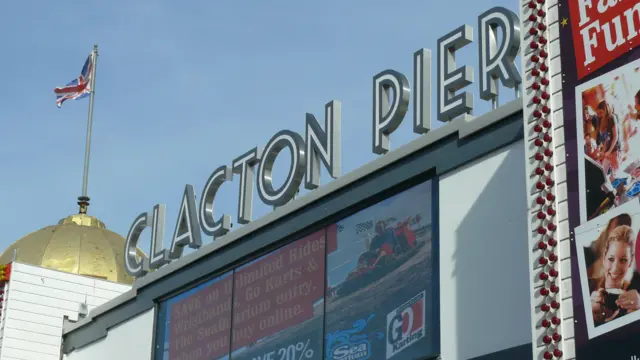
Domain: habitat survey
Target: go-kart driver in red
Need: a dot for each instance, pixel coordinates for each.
(385, 242)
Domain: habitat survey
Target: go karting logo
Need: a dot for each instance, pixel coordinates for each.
(405, 325)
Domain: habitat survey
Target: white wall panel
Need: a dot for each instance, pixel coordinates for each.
(130, 340)
(36, 302)
(484, 286)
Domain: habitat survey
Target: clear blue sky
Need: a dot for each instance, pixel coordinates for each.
(184, 87)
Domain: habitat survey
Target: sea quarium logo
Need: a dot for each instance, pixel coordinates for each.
(352, 344)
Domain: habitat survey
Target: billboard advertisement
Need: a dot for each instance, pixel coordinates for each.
(381, 281)
(196, 324)
(324, 296)
(279, 303)
(601, 112)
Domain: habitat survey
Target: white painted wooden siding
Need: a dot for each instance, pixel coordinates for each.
(36, 302)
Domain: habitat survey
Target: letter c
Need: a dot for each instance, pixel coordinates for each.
(208, 223)
(133, 266)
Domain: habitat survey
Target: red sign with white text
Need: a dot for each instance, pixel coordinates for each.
(279, 290)
(603, 30)
(200, 323)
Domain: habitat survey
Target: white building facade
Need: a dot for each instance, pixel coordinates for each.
(38, 301)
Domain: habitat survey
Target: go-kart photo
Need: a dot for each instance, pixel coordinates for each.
(390, 247)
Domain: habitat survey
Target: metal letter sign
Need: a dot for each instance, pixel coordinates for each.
(452, 79)
(323, 145)
(498, 62)
(387, 117)
(134, 265)
(187, 232)
(294, 142)
(391, 95)
(209, 225)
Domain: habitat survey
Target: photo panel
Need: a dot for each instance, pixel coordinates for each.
(609, 151)
(607, 250)
(381, 282)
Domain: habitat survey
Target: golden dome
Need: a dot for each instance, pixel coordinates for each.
(79, 244)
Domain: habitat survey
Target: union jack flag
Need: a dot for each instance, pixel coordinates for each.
(79, 87)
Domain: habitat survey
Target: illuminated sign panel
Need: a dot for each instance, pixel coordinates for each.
(196, 324)
(380, 281)
(324, 296)
(279, 302)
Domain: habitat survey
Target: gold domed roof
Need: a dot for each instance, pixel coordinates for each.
(79, 244)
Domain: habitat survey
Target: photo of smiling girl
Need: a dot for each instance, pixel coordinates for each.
(611, 294)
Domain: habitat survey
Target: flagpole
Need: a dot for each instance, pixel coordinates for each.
(83, 201)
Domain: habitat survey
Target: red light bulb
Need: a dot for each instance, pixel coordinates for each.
(544, 291)
(557, 353)
(544, 276)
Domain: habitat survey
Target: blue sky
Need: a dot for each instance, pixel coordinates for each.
(184, 87)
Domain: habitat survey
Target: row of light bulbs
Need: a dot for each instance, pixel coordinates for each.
(545, 183)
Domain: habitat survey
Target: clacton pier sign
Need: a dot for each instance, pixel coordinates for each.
(320, 145)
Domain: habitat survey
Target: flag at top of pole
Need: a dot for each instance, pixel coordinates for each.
(79, 87)
(84, 85)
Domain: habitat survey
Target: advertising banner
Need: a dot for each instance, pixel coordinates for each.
(600, 42)
(365, 287)
(198, 322)
(279, 303)
(381, 282)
